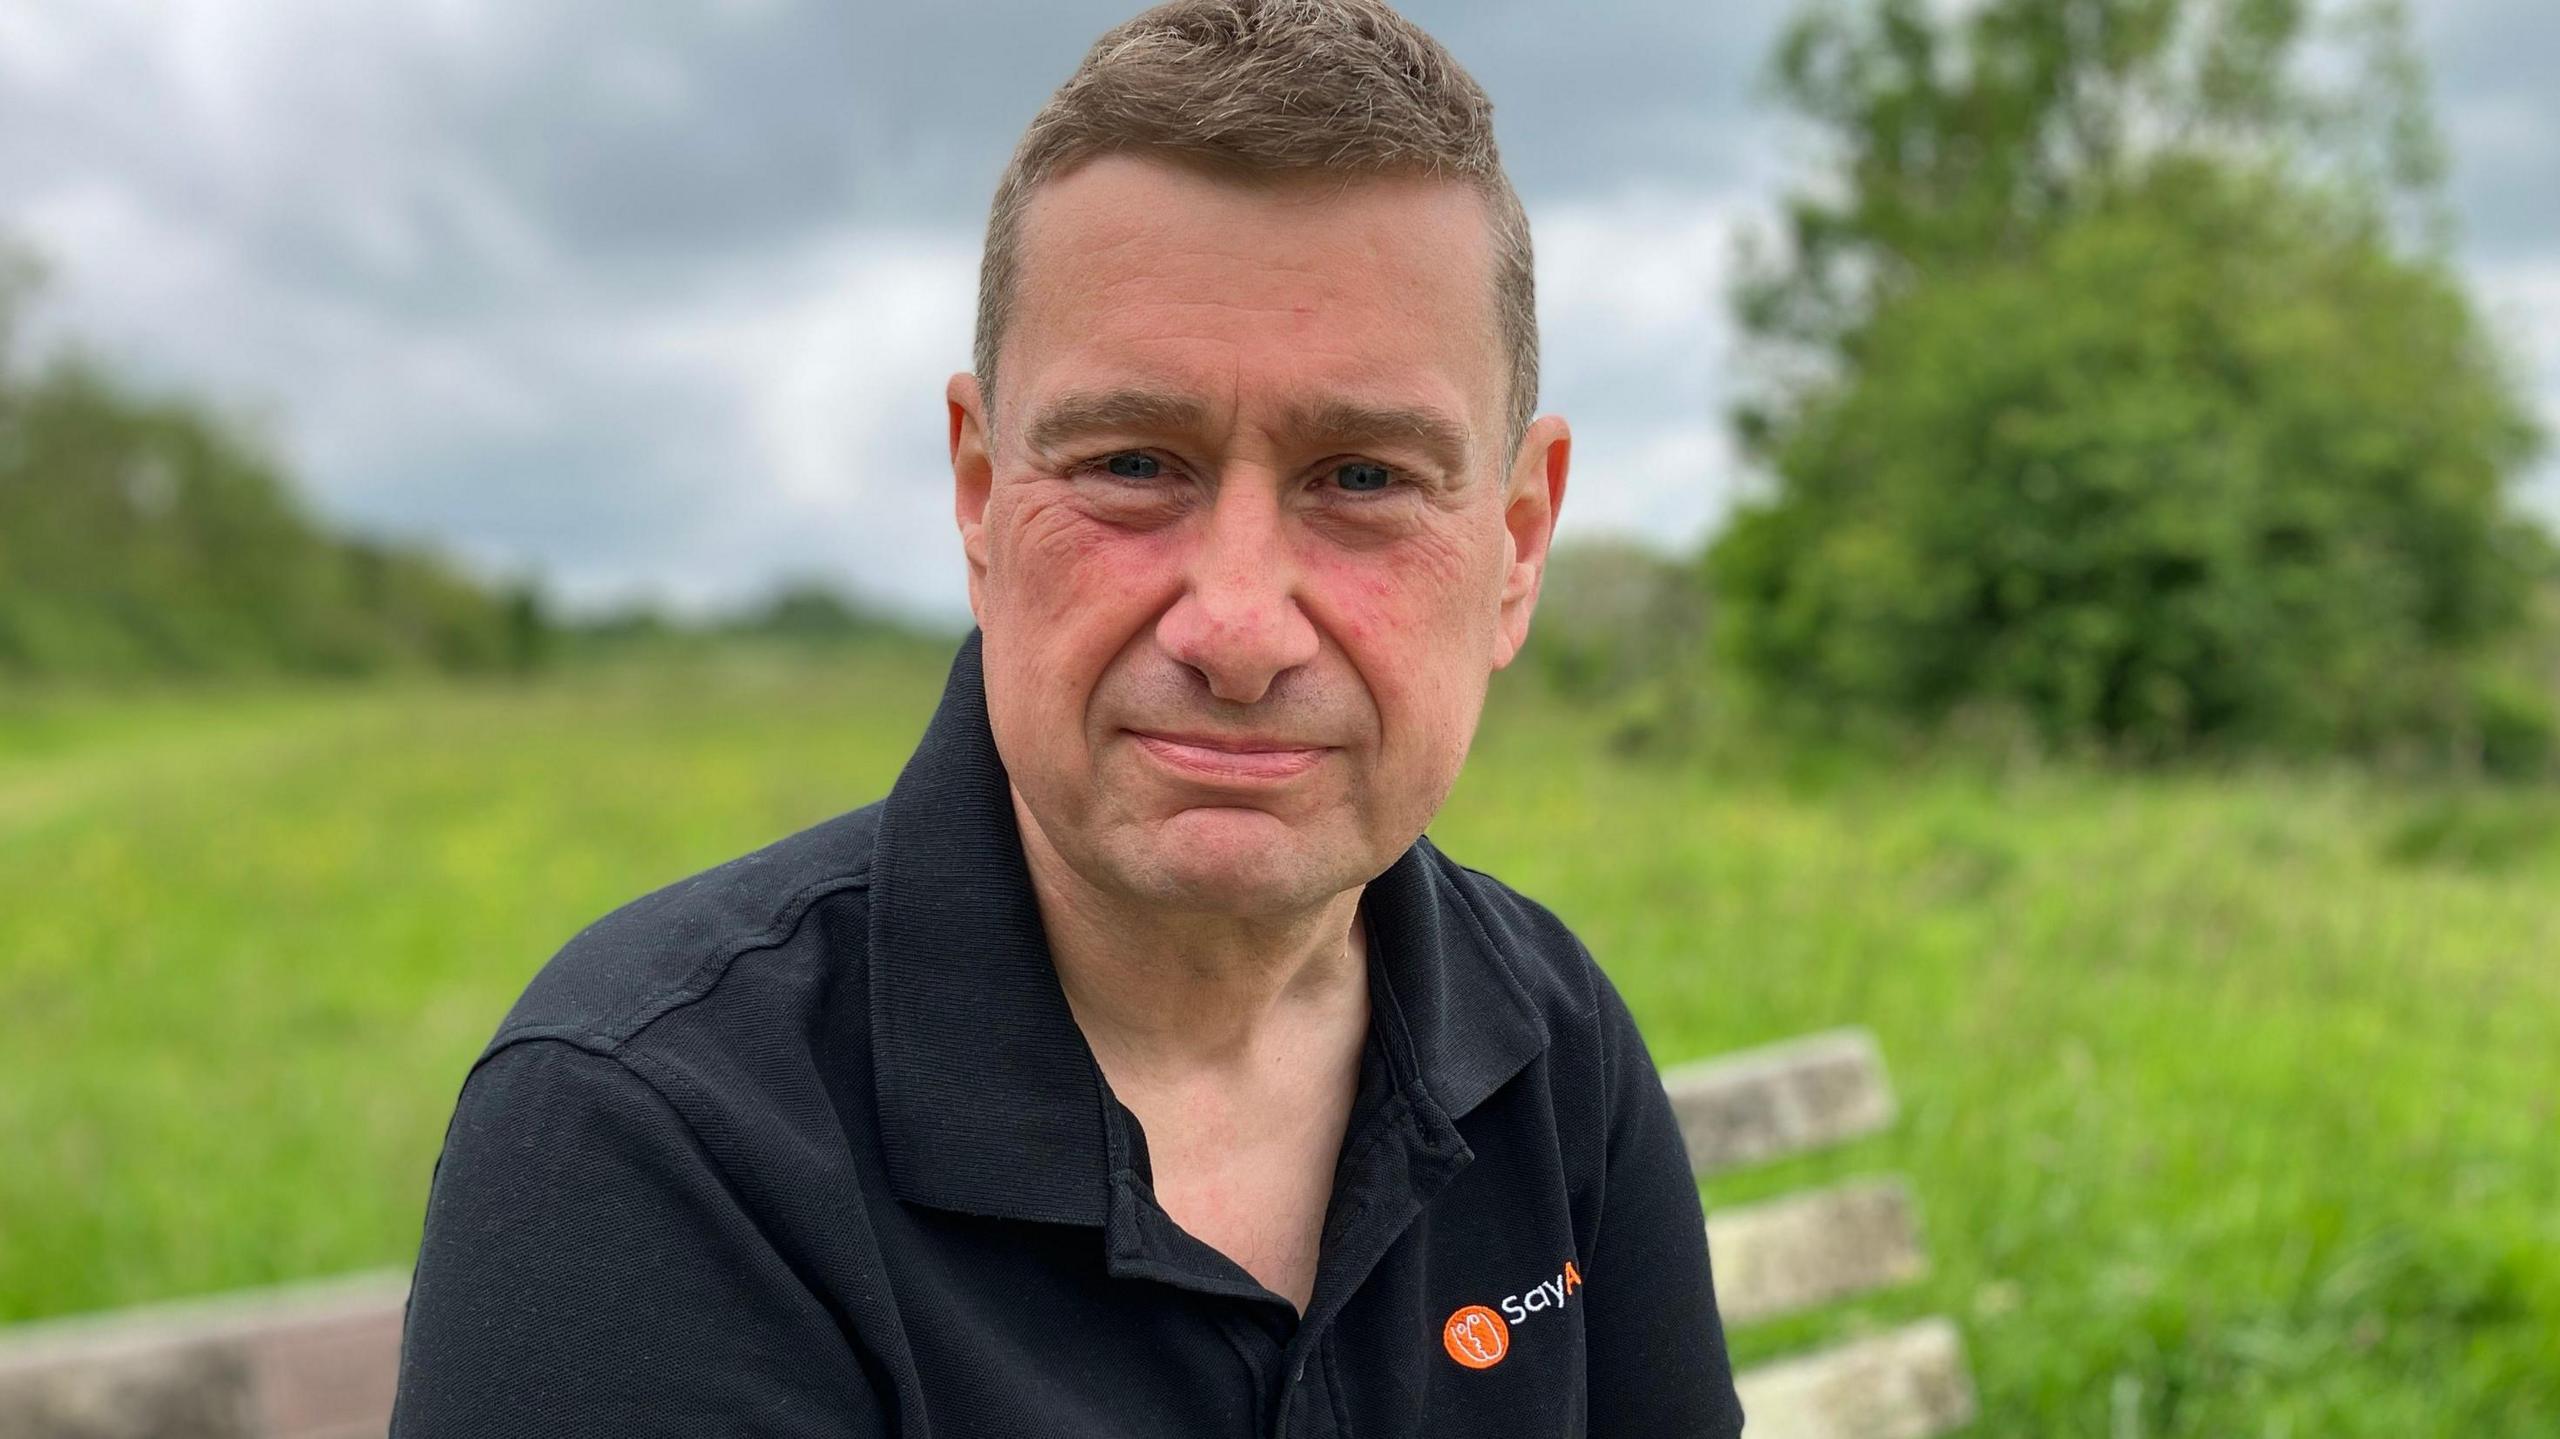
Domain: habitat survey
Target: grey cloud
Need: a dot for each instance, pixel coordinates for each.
(1585, 100)
(438, 242)
(2496, 65)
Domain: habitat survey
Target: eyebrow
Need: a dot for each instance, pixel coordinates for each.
(1348, 422)
(1332, 420)
(1073, 416)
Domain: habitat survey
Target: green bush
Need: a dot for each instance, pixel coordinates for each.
(2211, 464)
(2116, 379)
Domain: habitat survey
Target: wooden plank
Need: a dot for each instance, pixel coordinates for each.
(1909, 1383)
(296, 1362)
(202, 1391)
(328, 1374)
(1807, 1249)
(1764, 1104)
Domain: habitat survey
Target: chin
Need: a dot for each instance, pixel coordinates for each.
(1237, 862)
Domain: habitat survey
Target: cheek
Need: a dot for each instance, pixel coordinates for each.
(1430, 597)
(1064, 596)
(1418, 619)
(1052, 564)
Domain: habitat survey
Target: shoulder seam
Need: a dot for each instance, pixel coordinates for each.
(630, 1062)
(611, 1035)
(576, 1036)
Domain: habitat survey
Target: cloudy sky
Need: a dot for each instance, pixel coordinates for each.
(657, 299)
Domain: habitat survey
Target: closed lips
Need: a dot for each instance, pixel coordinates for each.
(1232, 756)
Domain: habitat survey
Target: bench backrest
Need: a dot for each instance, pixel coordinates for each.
(316, 1362)
(1787, 1255)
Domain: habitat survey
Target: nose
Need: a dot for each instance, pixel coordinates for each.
(1238, 622)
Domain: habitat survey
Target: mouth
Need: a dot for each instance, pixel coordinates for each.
(1231, 759)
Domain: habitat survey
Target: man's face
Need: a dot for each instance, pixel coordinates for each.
(1248, 537)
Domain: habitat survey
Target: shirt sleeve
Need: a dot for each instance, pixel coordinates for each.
(586, 1271)
(1655, 1343)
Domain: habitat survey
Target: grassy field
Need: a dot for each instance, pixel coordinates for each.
(2231, 1100)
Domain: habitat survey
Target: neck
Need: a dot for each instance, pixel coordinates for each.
(1173, 991)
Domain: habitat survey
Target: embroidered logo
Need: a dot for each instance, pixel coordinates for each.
(1476, 1337)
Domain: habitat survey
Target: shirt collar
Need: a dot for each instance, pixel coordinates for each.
(990, 1100)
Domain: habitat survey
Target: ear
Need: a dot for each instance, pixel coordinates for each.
(973, 475)
(1532, 498)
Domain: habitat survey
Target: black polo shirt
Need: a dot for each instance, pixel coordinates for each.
(810, 1144)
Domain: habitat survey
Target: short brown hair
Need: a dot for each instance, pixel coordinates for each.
(1273, 87)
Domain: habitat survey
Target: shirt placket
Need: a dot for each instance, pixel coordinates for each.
(1402, 1150)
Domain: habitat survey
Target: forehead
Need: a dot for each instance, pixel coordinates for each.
(1255, 292)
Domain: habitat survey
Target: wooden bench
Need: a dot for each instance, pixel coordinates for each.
(317, 1361)
(306, 1361)
(1788, 1255)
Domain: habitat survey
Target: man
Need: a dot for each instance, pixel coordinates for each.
(1135, 1068)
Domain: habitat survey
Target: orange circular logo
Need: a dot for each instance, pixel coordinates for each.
(1476, 1337)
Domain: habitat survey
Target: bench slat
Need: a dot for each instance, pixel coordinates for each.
(202, 1390)
(1908, 1383)
(313, 1361)
(1807, 1249)
(1784, 1099)
(329, 1376)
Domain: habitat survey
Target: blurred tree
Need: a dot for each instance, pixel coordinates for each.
(1613, 615)
(1620, 625)
(2116, 377)
(146, 536)
(811, 611)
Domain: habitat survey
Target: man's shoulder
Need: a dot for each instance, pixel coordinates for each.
(1545, 958)
(675, 944)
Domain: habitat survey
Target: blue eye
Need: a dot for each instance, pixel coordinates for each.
(1363, 477)
(1130, 465)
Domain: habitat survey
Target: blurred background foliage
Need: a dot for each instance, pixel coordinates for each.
(2109, 385)
(2137, 500)
(152, 539)
(2116, 381)
(151, 536)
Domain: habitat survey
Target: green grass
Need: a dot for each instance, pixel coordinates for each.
(2230, 1100)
